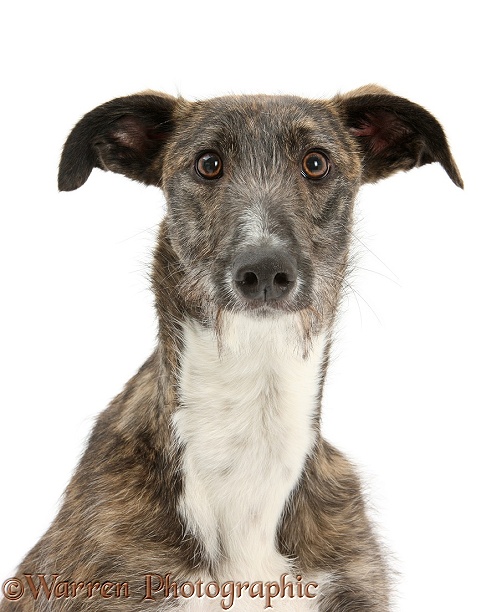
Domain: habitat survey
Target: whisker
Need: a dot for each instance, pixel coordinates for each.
(356, 237)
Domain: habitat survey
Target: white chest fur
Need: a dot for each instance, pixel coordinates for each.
(245, 423)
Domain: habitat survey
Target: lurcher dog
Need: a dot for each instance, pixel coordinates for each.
(206, 483)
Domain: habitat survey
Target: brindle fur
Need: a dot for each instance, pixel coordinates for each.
(119, 519)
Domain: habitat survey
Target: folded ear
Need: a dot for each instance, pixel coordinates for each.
(394, 134)
(125, 135)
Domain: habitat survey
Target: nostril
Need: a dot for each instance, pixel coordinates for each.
(249, 280)
(282, 280)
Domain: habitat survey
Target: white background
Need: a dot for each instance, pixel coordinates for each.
(414, 389)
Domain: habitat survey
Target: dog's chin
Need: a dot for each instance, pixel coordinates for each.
(264, 313)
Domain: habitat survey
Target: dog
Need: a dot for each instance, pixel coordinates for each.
(206, 484)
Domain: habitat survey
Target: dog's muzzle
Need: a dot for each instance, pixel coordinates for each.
(264, 275)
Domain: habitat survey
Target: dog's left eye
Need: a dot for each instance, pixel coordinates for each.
(315, 165)
(209, 165)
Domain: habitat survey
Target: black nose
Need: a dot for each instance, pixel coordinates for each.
(264, 274)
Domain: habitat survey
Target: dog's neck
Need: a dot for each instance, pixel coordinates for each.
(247, 419)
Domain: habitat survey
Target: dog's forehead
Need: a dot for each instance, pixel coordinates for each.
(272, 109)
(233, 118)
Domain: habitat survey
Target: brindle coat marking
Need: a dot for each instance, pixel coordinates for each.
(121, 514)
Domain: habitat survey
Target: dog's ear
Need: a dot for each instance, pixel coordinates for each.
(393, 133)
(125, 135)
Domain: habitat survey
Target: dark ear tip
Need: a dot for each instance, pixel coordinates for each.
(459, 182)
(453, 173)
(456, 179)
(70, 179)
(66, 185)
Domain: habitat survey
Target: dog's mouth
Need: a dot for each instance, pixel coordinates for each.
(262, 308)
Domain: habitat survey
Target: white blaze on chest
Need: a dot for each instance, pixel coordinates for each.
(245, 424)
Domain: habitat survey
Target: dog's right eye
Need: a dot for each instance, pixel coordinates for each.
(315, 165)
(209, 166)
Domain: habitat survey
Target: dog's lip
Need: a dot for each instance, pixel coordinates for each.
(267, 307)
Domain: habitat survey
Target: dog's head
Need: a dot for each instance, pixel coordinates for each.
(259, 189)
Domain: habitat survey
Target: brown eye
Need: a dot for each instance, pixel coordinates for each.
(209, 165)
(315, 165)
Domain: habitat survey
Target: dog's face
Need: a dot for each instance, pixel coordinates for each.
(259, 189)
(259, 193)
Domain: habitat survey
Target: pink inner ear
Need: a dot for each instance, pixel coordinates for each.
(381, 129)
(374, 133)
(129, 132)
(365, 129)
